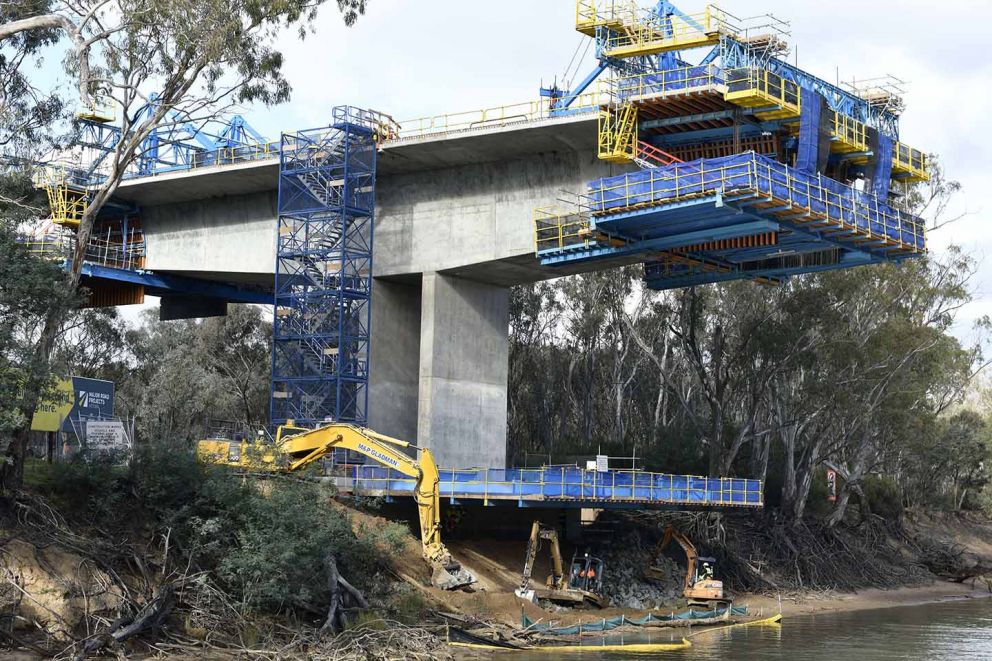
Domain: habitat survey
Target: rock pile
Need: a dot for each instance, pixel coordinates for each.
(623, 577)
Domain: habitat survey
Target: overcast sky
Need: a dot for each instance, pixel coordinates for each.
(415, 58)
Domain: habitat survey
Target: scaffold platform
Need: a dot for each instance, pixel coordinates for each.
(561, 486)
(717, 214)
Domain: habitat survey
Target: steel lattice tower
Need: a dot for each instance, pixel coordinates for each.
(323, 311)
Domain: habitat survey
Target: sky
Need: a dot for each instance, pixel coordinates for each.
(413, 59)
(417, 58)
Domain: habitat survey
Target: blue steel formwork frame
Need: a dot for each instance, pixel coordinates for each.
(323, 312)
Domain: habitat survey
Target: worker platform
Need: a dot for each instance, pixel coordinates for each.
(715, 219)
(561, 486)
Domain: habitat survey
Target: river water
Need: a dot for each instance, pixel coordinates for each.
(958, 630)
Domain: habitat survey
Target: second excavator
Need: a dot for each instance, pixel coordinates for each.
(700, 587)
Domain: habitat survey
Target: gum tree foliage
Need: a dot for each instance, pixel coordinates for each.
(29, 286)
(198, 57)
(847, 369)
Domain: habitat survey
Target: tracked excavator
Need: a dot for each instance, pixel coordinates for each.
(582, 585)
(296, 447)
(700, 587)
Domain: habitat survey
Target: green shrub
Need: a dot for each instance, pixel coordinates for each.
(884, 496)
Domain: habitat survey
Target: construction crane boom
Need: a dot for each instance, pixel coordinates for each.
(296, 448)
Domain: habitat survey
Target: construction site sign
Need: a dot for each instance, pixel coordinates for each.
(54, 408)
(106, 436)
(72, 401)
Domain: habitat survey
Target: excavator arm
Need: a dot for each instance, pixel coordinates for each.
(296, 448)
(691, 556)
(538, 532)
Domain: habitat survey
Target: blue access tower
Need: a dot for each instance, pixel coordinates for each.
(323, 312)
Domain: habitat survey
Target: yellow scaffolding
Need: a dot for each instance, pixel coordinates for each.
(612, 14)
(66, 200)
(618, 133)
(638, 32)
(913, 162)
(773, 96)
(850, 135)
(678, 81)
(100, 110)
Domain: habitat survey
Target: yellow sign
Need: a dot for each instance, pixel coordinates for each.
(54, 407)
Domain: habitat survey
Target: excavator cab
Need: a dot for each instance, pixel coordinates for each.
(581, 585)
(586, 574)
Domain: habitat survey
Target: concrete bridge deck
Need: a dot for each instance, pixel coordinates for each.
(453, 231)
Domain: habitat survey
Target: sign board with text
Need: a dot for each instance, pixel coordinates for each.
(73, 401)
(106, 436)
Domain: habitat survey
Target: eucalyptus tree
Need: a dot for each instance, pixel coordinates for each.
(197, 58)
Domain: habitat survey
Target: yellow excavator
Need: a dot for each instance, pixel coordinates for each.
(297, 447)
(700, 587)
(583, 584)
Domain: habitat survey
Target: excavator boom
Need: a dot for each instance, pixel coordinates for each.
(705, 590)
(296, 448)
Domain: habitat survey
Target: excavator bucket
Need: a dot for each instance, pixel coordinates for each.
(451, 576)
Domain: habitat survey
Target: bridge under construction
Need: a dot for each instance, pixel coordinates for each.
(692, 147)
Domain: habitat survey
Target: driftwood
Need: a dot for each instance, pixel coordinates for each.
(152, 615)
(343, 594)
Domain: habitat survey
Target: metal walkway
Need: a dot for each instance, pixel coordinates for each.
(562, 487)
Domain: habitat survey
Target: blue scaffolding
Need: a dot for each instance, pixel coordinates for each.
(323, 308)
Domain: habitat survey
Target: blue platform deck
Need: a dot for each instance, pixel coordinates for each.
(564, 487)
(713, 216)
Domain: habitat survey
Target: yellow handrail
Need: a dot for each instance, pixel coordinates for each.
(485, 118)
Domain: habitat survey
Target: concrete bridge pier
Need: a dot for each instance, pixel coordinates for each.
(440, 360)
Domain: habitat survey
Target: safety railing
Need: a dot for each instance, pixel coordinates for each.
(911, 161)
(851, 135)
(612, 14)
(487, 118)
(796, 194)
(651, 33)
(100, 110)
(617, 138)
(231, 155)
(103, 251)
(559, 227)
(66, 197)
(563, 484)
(754, 87)
(670, 81)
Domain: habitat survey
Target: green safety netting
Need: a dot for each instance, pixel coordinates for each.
(608, 623)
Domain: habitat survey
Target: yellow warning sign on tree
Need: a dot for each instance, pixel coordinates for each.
(54, 407)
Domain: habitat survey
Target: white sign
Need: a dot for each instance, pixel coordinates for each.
(602, 463)
(105, 435)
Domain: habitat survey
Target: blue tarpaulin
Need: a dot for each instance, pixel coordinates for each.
(571, 483)
(809, 131)
(752, 174)
(883, 167)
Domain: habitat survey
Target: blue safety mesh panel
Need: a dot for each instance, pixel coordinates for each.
(809, 131)
(609, 623)
(572, 484)
(751, 175)
(883, 167)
